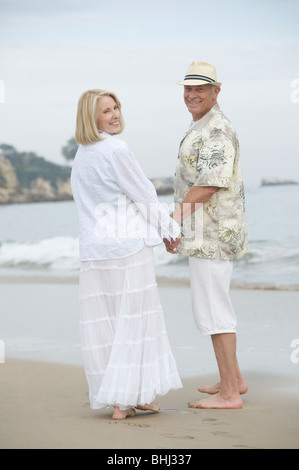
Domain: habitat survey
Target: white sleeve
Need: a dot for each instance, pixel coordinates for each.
(140, 190)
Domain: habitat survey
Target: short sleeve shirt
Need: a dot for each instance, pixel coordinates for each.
(209, 156)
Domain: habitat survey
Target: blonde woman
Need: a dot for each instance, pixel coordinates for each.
(126, 353)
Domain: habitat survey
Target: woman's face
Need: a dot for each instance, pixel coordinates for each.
(108, 115)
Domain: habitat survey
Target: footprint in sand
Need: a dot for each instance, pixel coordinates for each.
(172, 436)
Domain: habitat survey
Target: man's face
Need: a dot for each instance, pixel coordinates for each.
(200, 99)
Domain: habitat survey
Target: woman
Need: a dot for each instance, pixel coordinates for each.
(126, 354)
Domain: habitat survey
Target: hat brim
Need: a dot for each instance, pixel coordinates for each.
(198, 83)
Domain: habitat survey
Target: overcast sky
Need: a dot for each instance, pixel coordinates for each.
(53, 50)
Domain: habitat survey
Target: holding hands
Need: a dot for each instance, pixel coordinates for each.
(172, 244)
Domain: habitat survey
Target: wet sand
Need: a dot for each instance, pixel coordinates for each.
(44, 395)
(45, 406)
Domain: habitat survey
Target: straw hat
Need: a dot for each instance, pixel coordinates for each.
(200, 73)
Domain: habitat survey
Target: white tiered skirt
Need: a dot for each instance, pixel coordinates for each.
(126, 352)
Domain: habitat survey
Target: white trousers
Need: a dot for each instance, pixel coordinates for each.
(212, 307)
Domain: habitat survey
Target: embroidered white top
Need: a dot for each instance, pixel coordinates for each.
(117, 206)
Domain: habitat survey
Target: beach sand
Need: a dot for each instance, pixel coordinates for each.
(46, 406)
(44, 401)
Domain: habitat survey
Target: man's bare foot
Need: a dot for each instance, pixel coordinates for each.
(149, 407)
(217, 402)
(213, 389)
(122, 414)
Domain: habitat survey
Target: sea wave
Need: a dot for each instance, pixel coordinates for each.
(62, 253)
(265, 264)
(58, 254)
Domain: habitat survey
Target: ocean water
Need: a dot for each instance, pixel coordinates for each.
(41, 239)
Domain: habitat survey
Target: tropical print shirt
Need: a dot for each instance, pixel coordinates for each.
(209, 156)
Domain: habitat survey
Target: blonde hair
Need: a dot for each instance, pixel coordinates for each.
(86, 123)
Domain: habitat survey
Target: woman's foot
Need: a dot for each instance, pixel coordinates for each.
(122, 414)
(148, 407)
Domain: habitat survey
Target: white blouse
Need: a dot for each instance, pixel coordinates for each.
(117, 206)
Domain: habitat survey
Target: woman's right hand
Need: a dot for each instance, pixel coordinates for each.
(172, 244)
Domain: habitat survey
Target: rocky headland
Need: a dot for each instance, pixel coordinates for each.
(26, 177)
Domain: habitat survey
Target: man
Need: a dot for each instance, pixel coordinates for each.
(209, 197)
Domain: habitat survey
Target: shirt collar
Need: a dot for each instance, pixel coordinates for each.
(198, 125)
(104, 134)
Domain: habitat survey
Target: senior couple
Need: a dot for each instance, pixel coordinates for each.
(127, 357)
